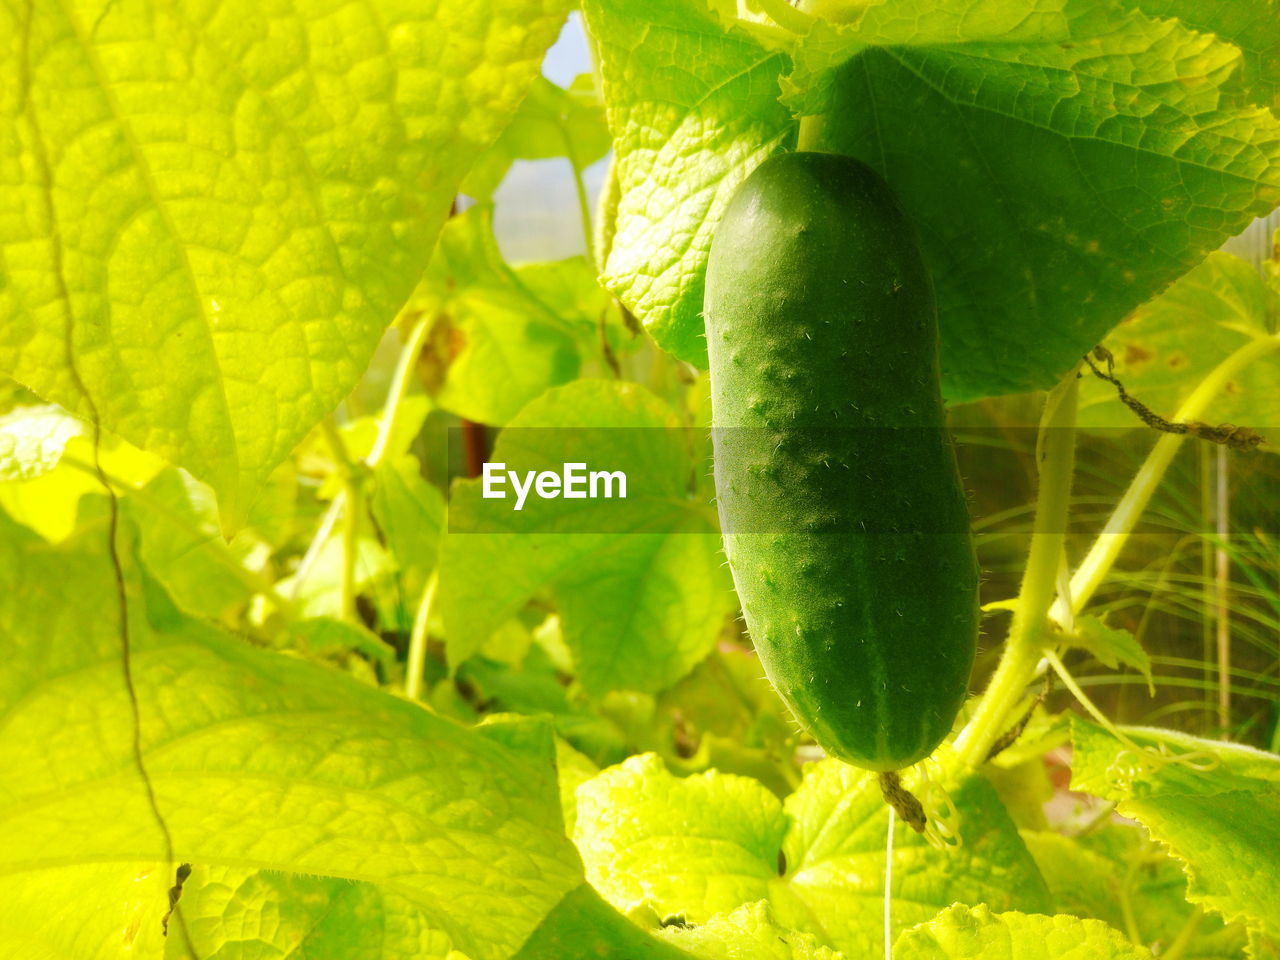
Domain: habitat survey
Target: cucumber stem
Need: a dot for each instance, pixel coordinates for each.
(1055, 453)
(812, 127)
(812, 131)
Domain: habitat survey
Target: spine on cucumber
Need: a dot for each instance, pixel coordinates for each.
(843, 514)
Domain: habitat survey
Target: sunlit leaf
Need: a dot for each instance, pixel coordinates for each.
(209, 214)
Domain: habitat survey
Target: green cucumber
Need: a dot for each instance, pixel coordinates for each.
(842, 510)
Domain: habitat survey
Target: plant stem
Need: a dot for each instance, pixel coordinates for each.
(1126, 902)
(812, 127)
(403, 376)
(812, 131)
(417, 661)
(584, 204)
(399, 389)
(1055, 451)
(350, 517)
(1106, 548)
(1206, 575)
(1221, 587)
(323, 532)
(1178, 946)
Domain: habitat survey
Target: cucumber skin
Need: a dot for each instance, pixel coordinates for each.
(820, 318)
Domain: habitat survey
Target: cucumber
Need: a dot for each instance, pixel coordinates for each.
(842, 511)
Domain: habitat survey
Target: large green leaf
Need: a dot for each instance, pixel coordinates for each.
(835, 856)
(253, 760)
(93, 911)
(976, 933)
(1117, 875)
(236, 913)
(209, 213)
(1217, 810)
(1252, 25)
(637, 581)
(748, 933)
(1062, 161)
(727, 833)
(583, 925)
(636, 822)
(692, 110)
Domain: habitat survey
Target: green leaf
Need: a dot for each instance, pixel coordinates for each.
(94, 911)
(1218, 811)
(583, 925)
(692, 110)
(1251, 25)
(182, 547)
(1057, 182)
(637, 609)
(571, 288)
(495, 344)
(1167, 346)
(1112, 646)
(1062, 161)
(691, 848)
(748, 933)
(1262, 947)
(1103, 766)
(246, 914)
(1230, 843)
(551, 122)
(325, 635)
(835, 856)
(254, 759)
(970, 933)
(319, 592)
(1117, 875)
(410, 513)
(260, 210)
(726, 832)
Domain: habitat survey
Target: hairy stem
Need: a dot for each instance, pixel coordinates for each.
(1102, 555)
(1055, 456)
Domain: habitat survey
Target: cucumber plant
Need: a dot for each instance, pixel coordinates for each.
(276, 680)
